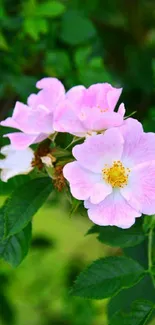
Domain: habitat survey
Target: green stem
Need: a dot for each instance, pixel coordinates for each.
(72, 142)
(52, 137)
(130, 115)
(150, 245)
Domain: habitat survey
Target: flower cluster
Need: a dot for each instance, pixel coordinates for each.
(112, 169)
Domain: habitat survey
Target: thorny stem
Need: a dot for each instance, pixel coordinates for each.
(150, 263)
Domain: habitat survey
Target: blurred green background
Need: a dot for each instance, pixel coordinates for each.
(80, 42)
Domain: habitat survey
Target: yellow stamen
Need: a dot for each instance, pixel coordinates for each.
(116, 175)
(102, 110)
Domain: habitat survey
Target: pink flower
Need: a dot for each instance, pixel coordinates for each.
(87, 110)
(114, 174)
(35, 119)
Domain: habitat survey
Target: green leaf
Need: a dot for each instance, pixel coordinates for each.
(142, 290)
(2, 221)
(29, 8)
(3, 43)
(76, 29)
(118, 237)
(35, 26)
(140, 312)
(15, 248)
(50, 9)
(7, 310)
(107, 276)
(24, 202)
(82, 56)
(57, 63)
(123, 300)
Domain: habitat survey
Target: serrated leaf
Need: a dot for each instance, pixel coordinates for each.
(76, 28)
(15, 248)
(123, 300)
(24, 202)
(118, 237)
(50, 9)
(107, 276)
(142, 290)
(140, 312)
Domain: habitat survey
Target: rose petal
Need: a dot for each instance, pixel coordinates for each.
(140, 191)
(85, 184)
(20, 140)
(113, 211)
(99, 150)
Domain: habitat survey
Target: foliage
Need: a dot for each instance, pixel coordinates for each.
(81, 42)
(140, 312)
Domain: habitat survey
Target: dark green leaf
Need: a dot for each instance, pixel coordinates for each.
(118, 237)
(2, 222)
(107, 276)
(15, 248)
(6, 309)
(138, 253)
(142, 290)
(75, 28)
(24, 202)
(50, 9)
(57, 63)
(139, 314)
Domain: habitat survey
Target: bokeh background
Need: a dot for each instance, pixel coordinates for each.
(79, 42)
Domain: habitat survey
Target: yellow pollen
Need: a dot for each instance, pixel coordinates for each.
(116, 175)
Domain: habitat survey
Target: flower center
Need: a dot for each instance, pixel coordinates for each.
(116, 175)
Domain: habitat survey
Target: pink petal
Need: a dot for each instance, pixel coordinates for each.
(20, 140)
(121, 110)
(140, 191)
(75, 95)
(45, 98)
(97, 120)
(39, 121)
(66, 120)
(103, 95)
(20, 115)
(81, 181)
(139, 147)
(100, 191)
(84, 184)
(31, 121)
(32, 100)
(113, 97)
(10, 122)
(52, 84)
(113, 211)
(99, 150)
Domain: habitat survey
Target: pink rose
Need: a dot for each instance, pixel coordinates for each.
(89, 110)
(114, 173)
(35, 120)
